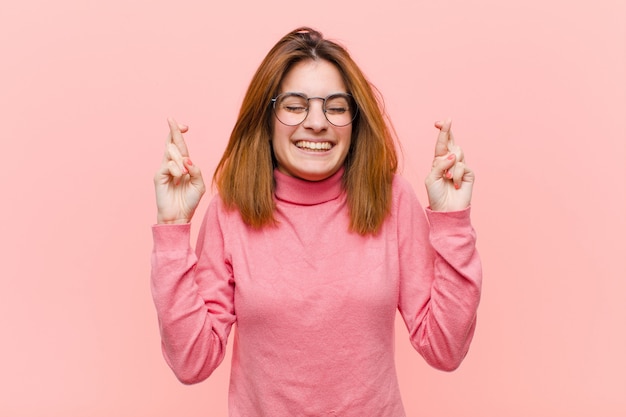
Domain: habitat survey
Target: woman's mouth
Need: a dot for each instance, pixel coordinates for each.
(313, 146)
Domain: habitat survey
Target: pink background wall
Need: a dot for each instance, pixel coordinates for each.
(537, 90)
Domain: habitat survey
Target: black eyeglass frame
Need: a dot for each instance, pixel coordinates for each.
(351, 100)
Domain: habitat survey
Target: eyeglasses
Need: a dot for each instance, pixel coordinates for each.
(291, 109)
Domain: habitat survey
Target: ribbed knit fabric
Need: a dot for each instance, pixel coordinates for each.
(315, 304)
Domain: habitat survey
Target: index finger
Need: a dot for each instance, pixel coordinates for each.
(176, 137)
(445, 138)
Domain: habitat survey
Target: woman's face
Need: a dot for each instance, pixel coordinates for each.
(315, 149)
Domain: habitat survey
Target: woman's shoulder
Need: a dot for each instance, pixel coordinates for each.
(218, 210)
(402, 187)
(403, 194)
(401, 184)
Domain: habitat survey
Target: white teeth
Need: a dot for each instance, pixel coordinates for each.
(315, 146)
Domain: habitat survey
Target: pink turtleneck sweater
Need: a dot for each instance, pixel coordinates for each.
(314, 303)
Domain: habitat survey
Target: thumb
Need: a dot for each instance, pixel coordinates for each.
(442, 164)
(195, 173)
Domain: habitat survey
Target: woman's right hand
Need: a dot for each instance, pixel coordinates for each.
(178, 183)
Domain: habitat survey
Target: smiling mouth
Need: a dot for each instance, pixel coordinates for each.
(314, 146)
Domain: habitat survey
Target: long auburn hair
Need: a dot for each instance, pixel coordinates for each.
(244, 176)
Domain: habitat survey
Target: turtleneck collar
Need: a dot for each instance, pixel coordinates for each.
(308, 193)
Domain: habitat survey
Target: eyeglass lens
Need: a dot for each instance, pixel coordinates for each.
(292, 108)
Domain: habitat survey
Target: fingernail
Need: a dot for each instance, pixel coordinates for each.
(451, 156)
(189, 162)
(457, 186)
(448, 175)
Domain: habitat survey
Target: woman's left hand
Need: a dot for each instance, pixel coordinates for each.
(449, 184)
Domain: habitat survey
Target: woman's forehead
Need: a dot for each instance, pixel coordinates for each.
(314, 78)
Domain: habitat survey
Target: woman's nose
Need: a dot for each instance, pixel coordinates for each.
(316, 118)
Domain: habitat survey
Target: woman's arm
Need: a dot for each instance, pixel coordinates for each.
(441, 273)
(192, 291)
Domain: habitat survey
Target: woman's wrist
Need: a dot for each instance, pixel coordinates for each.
(172, 221)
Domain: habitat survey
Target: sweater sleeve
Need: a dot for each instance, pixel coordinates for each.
(193, 296)
(440, 280)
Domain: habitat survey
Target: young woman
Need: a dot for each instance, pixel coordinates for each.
(312, 245)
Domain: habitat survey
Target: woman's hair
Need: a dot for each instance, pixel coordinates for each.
(244, 176)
